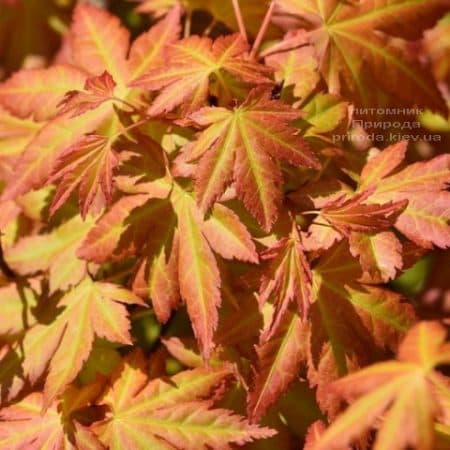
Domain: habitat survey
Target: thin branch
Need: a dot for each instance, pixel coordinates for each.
(263, 30)
(125, 130)
(240, 19)
(188, 24)
(210, 27)
(133, 108)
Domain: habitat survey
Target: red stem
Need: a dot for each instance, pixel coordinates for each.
(240, 19)
(129, 128)
(263, 30)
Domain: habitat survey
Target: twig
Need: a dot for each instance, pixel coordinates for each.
(210, 27)
(263, 30)
(125, 130)
(240, 20)
(133, 108)
(188, 24)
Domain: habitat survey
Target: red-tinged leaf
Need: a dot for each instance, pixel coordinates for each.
(354, 56)
(12, 127)
(318, 194)
(143, 168)
(320, 236)
(427, 223)
(97, 90)
(347, 215)
(23, 426)
(381, 311)
(380, 255)
(187, 353)
(199, 275)
(425, 344)
(216, 428)
(99, 42)
(176, 254)
(431, 175)
(383, 164)
(37, 92)
(53, 253)
(288, 277)
(130, 227)
(63, 345)
(35, 165)
(191, 64)
(168, 414)
(297, 68)
(325, 113)
(242, 145)
(147, 51)
(437, 47)
(103, 240)
(15, 135)
(122, 231)
(180, 351)
(424, 185)
(403, 392)
(157, 277)
(279, 357)
(315, 432)
(350, 321)
(241, 325)
(228, 236)
(87, 165)
(90, 309)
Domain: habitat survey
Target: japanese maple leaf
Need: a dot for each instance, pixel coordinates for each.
(325, 113)
(170, 414)
(346, 318)
(358, 47)
(295, 64)
(176, 254)
(279, 355)
(53, 253)
(87, 165)
(288, 277)
(438, 48)
(23, 425)
(310, 199)
(63, 345)
(243, 145)
(15, 133)
(97, 90)
(96, 42)
(350, 321)
(37, 92)
(380, 254)
(409, 394)
(425, 221)
(353, 214)
(196, 67)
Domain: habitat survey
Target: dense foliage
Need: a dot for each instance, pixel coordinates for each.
(210, 210)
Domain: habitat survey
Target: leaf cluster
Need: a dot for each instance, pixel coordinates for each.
(201, 244)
